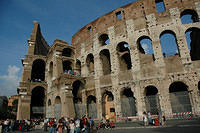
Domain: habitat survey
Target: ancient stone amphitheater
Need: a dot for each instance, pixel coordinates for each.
(144, 56)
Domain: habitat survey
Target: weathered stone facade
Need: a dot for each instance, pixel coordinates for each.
(95, 67)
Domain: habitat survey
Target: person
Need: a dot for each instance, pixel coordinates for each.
(6, 126)
(45, 124)
(51, 126)
(91, 125)
(77, 123)
(145, 120)
(60, 126)
(163, 120)
(71, 126)
(149, 118)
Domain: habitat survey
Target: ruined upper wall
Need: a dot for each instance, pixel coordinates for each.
(137, 11)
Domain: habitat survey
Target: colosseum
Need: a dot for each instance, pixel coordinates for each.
(144, 56)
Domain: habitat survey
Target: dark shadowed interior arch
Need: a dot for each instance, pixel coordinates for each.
(67, 65)
(152, 99)
(78, 67)
(108, 104)
(37, 102)
(123, 50)
(38, 70)
(91, 106)
(104, 39)
(128, 104)
(193, 41)
(90, 63)
(179, 97)
(67, 52)
(105, 61)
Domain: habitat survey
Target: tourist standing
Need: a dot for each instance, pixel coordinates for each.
(60, 126)
(145, 120)
(71, 126)
(77, 123)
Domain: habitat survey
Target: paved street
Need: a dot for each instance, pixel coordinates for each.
(173, 126)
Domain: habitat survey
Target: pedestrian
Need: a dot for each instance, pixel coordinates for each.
(91, 125)
(71, 126)
(60, 126)
(45, 124)
(77, 123)
(163, 120)
(149, 116)
(145, 120)
(51, 126)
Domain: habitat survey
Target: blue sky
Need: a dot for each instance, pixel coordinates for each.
(60, 19)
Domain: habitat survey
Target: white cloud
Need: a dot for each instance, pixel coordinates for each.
(10, 82)
(146, 48)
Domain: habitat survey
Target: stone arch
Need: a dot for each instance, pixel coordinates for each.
(193, 41)
(160, 5)
(67, 52)
(108, 108)
(37, 102)
(67, 66)
(77, 88)
(90, 63)
(123, 50)
(104, 39)
(78, 67)
(91, 106)
(128, 102)
(169, 47)
(189, 16)
(105, 61)
(151, 99)
(38, 70)
(179, 97)
(49, 110)
(57, 107)
(51, 69)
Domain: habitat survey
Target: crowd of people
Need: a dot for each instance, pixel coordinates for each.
(158, 119)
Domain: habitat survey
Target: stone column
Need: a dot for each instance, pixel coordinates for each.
(117, 102)
(24, 107)
(68, 105)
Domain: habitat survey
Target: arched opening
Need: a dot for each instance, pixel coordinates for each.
(189, 16)
(160, 5)
(104, 39)
(152, 99)
(51, 70)
(179, 97)
(80, 109)
(90, 63)
(199, 85)
(105, 61)
(128, 103)
(67, 52)
(169, 43)
(37, 102)
(123, 50)
(57, 108)
(78, 67)
(193, 41)
(49, 109)
(108, 108)
(38, 70)
(91, 106)
(67, 66)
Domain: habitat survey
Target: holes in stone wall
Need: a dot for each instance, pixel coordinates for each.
(67, 52)
(90, 29)
(51, 69)
(38, 70)
(76, 91)
(119, 15)
(78, 67)
(104, 39)
(169, 43)
(189, 16)
(193, 41)
(160, 5)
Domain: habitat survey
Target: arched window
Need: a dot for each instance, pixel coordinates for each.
(179, 97)
(78, 67)
(91, 106)
(123, 50)
(152, 100)
(57, 107)
(67, 52)
(189, 16)
(67, 65)
(169, 43)
(90, 63)
(108, 104)
(145, 45)
(51, 69)
(104, 39)
(160, 5)
(38, 70)
(193, 41)
(105, 61)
